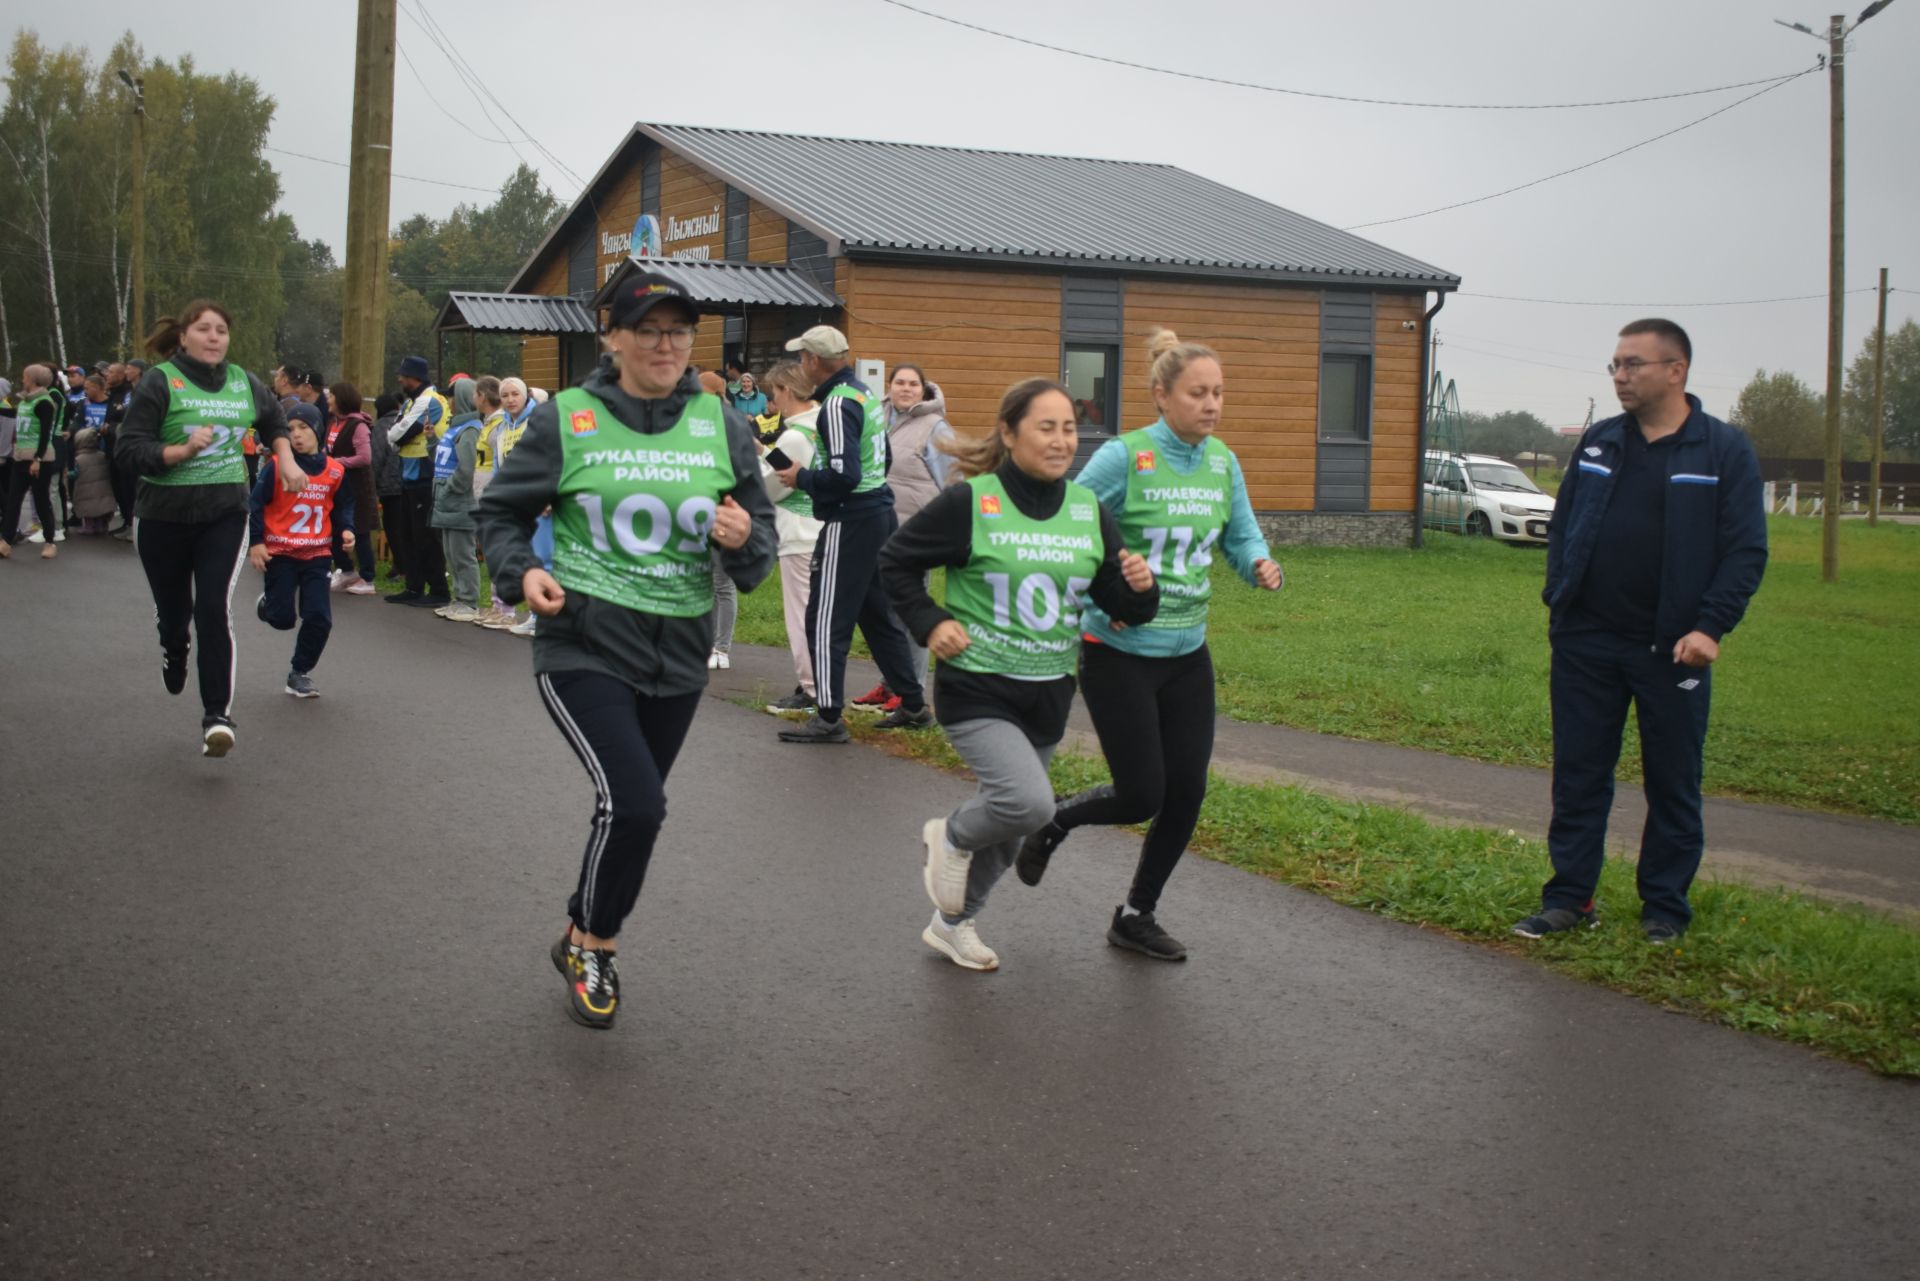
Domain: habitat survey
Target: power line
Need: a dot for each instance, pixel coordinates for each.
(1331, 97)
(1612, 155)
(1726, 302)
(448, 55)
(341, 164)
(421, 82)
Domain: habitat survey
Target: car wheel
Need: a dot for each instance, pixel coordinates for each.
(1478, 526)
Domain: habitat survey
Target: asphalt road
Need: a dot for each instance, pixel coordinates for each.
(291, 1015)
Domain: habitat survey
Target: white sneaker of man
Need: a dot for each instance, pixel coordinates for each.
(341, 580)
(522, 628)
(960, 943)
(361, 587)
(946, 869)
(460, 613)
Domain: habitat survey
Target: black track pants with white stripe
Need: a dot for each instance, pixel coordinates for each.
(627, 742)
(846, 590)
(191, 569)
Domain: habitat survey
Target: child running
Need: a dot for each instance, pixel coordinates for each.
(625, 612)
(1024, 549)
(1177, 491)
(290, 536)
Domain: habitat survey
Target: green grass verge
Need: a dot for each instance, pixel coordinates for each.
(1816, 698)
(1836, 978)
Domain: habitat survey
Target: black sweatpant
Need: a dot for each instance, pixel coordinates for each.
(17, 486)
(191, 569)
(297, 592)
(628, 743)
(393, 523)
(1155, 720)
(846, 590)
(426, 563)
(1593, 678)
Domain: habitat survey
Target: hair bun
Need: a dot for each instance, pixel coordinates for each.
(1161, 341)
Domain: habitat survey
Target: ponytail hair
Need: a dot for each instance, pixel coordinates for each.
(1168, 357)
(164, 340)
(980, 455)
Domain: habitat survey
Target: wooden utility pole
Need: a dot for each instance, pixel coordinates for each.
(137, 267)
(1879, 405)
(363, 322)
(1836, 291)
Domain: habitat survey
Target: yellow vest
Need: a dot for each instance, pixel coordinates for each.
(422, 445)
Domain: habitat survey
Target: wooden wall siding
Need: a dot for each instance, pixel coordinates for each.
(975, 332)
(617, 211)
(1396, 399)
(1268, 337)
(540, 361)
(766, 234)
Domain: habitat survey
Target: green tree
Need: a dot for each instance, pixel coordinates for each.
(1903, 397)
(309, 330)
(1509, 434)
(1783, 416)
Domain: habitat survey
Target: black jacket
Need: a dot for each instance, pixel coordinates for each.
(940, 535)
(838, 464)
(1716, 525)
(139, 447)
(658, 656)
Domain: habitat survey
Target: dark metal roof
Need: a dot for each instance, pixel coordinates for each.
(514, 314)
(727, 284)
(902, 198)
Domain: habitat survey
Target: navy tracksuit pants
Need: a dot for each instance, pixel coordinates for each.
(1595, 676)
(300, 586)
(846, 590)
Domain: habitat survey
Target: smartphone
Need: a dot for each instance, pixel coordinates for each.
(778, 460)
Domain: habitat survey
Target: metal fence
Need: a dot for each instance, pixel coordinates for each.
(1794, 498)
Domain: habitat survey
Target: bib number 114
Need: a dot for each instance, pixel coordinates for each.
(694, 519)
(1186, 553)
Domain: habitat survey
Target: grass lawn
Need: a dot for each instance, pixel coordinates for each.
(1836, 978)
(1816, 699)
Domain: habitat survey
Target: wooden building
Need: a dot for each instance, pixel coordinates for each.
(989, 267)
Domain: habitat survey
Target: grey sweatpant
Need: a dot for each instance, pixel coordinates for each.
(726, 608)
(463, 564)
(1014, 801)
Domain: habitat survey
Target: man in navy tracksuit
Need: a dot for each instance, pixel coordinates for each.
(1657, 543)
(848, 486)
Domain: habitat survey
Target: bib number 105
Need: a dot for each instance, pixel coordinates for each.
(1037, 601)
(1186, 553)
(694, 519)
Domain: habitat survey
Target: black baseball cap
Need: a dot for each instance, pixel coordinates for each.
(642, 292)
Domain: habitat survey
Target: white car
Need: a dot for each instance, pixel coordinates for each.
(1491, 496)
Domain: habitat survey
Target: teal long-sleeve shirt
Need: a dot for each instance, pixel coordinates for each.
(1242, 542)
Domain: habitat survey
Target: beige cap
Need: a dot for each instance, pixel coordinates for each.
(821, 340)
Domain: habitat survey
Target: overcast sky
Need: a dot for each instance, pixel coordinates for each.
(1734, 208)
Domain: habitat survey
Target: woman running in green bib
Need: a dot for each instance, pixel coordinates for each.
(182, 436)
(645, 473)
(1026, 551)
(1178, 495)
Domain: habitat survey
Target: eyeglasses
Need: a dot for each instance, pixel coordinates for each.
(1634, 364)
(679, 337)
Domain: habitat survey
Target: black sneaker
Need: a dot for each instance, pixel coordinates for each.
(1036, 851)
(173, 672)
(1661, 933)
(794, 702)
(1555, 920)
(301, 685)
(431, 602)
(901, 718)
(817, 730)
(216, 736)
(566, 956)
(1139, 932)
(260, 607)
(406, 597)
(595, 995)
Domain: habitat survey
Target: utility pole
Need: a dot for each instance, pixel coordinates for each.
(363, 327)
(1879, 405)
(1836, 40)
(137, 268)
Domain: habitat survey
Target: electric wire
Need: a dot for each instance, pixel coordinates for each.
(420, 82)
(1332, 97)
(342, 164)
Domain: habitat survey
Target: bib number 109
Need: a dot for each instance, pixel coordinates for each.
(1037, 601)
(694, 519)
(1186, 553)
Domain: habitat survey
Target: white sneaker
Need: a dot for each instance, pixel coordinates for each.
(522, 628)
(961, 944)
(494, 620)
(945, 873)
(713, 660)
(460, 614)
(362, 587)
(338, 582)
(722, 660)
(443, 610)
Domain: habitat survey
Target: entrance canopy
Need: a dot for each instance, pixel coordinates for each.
(726, 287)
(514, 314)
